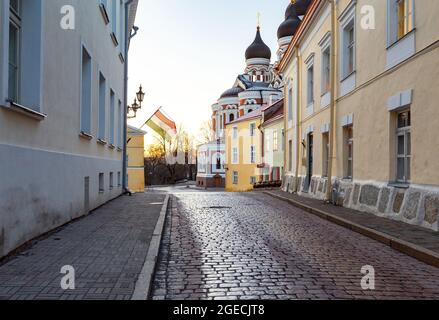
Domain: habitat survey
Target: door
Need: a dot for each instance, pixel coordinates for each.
(86, 195)
(310, 161)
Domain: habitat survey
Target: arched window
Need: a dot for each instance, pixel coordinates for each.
(231, 117)
(249, 111)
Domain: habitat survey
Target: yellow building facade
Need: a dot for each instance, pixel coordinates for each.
(243, 152)
(384, 155)
(136, 160)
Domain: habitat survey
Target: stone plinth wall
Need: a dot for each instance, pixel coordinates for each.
(417, 205)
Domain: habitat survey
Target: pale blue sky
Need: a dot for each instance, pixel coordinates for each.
(187, 52)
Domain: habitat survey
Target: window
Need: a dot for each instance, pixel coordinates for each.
(14, 51)
(290, 155)
(111, 181)
(348, 49)
(290, 104)
(101, 183)
(275, 141)
(310, 84)
(86, 93)
(252, 180)
(231, 117)
(235, 133)
(403, 152)
(326, 70)
(114, 26)
(349, 151)
(235, 155)
(235, 177)
(102, 107)
(120, 125)
(325, 146)
(122, 26)
(112, 116)
(252, 129)
(283, 140)
(252, 154)
(400, 19)
(103, 7)
(119, 181)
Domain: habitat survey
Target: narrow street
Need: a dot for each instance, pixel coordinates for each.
(250, 246)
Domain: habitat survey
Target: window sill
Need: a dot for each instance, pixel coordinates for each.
(85, 135)
(348, 76)
(15, 107)
(119, 149)
(399, 185)
(122, 59)
(104, 13)
(111, 146)
(400, 39)
(102, 142)
(114, 38)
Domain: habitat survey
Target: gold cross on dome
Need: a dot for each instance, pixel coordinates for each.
(259, 19)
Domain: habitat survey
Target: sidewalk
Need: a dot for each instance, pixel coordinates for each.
(418, 242)
(107, 249)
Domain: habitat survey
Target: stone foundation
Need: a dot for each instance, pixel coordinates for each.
(417, 205)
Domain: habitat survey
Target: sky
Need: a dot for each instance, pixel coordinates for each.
(187, 52)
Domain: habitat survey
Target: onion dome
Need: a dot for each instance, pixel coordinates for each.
(301, 6)
(258, 49)
(292, 22)
(231, 93)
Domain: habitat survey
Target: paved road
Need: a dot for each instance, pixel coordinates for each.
(251, 246)
(107, 249)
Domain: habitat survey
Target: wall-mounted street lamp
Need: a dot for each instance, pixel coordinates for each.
(132, 109)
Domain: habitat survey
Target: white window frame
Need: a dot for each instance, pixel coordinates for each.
(252, 154)
(235, 155)
(404, 132)
(102, 109)
(235, 133)
(15, 20)
(348, 22)
(252, 129)
(86, 106)
(325, 49)
(235, 177)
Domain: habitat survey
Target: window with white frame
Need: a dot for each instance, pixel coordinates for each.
(235, 133)
(348, 42)
(290, 104)
(403, 149)
(310, 84)
(86, 93)
(326, 70)
(400, 19)
(101, 183)
(112, 116)
(14, 50)
(120, 125)
(252, 129)
(275, 141)
(114, 21)
(235, 155)
(325, 150)
(111, 180)
(102, 107)
(235, 177)
(349, 151)
(252, 154)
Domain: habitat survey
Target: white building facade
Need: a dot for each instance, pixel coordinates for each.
(61, 112)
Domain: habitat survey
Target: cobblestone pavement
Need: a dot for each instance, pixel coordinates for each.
(107, 249)
(251, 246)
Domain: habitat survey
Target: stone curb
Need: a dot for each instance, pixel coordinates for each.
(410, 249)
(143, 285)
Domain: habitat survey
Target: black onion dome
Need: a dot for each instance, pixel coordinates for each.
(258, 49)
(231, 93)
(302, 6)
(289, 27)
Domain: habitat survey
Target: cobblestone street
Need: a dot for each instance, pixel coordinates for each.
(251, 246)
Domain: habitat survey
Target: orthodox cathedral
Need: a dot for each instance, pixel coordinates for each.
(258, 87)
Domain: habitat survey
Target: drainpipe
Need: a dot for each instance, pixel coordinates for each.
(332, 124)
(298, 114)
(127, 41)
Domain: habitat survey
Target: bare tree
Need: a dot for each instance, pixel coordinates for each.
(206, 132)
